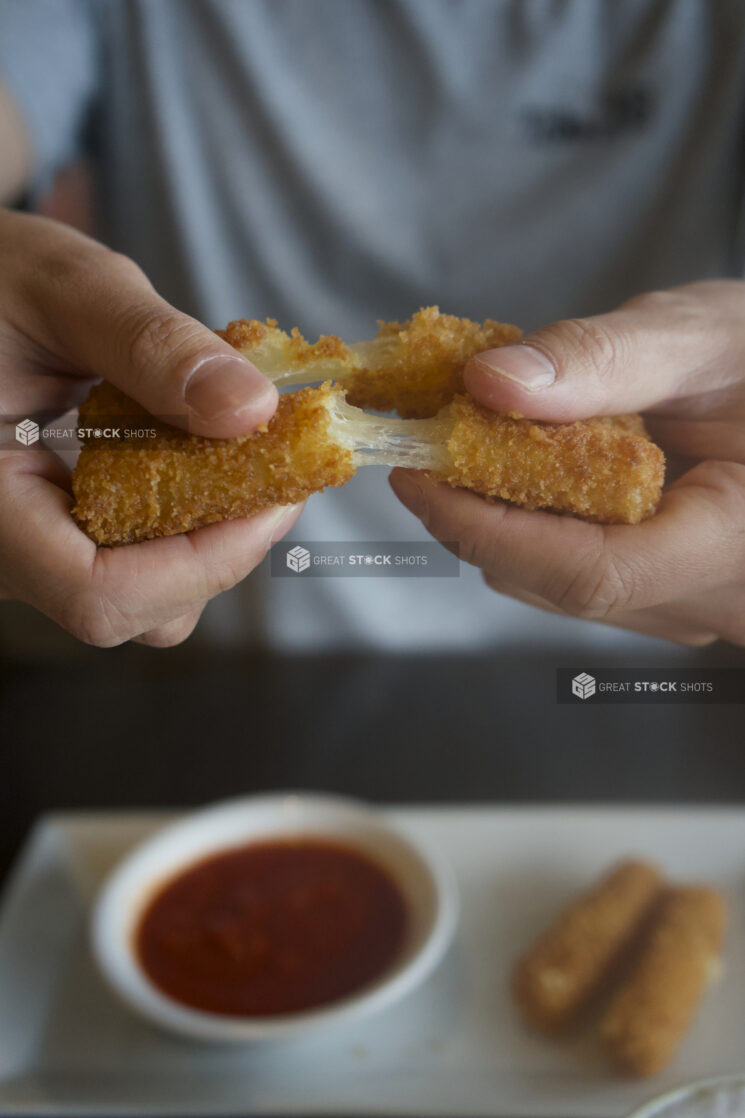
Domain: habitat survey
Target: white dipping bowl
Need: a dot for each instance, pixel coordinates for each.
(426, 883)
(720, 1097)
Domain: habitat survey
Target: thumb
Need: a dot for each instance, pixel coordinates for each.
(650, 352)
(104, 319)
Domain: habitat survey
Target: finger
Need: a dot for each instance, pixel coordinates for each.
(693, 544)
(175, 632)
(678, 624)
(107, 596)
(721, 438)
(657, 623)
(174, 573)
(509, 589)
(97, 311)
(657, 348)
(694, 620)
(27, 389)
(46, 467)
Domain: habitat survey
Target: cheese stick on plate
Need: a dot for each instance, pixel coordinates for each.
(679, 959)
(574, 960)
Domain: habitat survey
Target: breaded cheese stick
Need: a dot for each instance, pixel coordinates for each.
(650, 1014)
(128, 490)
(133, 488)
(606, 470)
(414, 368)
(574, 959)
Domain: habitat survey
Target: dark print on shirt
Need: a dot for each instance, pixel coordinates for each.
(622, 110)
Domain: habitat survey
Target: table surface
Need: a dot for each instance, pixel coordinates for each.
(137, 727)
(455, 1047)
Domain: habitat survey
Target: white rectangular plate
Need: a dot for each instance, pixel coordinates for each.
(455, 1047)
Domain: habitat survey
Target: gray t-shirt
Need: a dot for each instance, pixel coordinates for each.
(332, 162)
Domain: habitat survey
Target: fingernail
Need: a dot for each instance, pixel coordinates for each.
(224, 385)
(409, 493)
(285, 516)
(522, 364)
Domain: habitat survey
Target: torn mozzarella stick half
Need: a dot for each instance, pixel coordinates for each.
(131, 489)
(680, 958)
(577, 956)
(414, 368)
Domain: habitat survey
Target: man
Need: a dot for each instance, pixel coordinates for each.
(333, 162)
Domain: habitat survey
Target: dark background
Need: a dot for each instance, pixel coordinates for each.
(134, 727)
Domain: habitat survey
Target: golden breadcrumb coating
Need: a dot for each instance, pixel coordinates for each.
(423, 361)
(576, 957)
(281, 352)
(680, 956)
(414, 368)
(135, 488)
(599, 469)
(139, 489)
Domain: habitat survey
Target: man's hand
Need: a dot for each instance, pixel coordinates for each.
(70, 311)
(679, 357)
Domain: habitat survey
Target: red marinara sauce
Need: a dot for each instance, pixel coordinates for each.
(272, 928)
